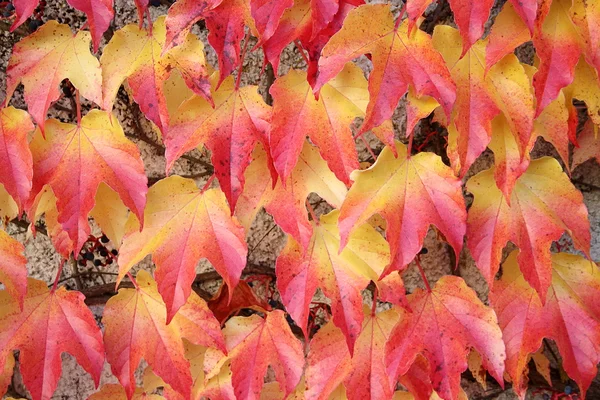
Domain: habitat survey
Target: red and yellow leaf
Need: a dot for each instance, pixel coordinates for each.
(13, 267)
(50, 323)
(182, 225)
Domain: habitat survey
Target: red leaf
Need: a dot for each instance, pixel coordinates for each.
(223, 304)
(23, 10)
(16, 164)
(52, 322)
(182, 15)
(446, 322)
(99, 14)
(267, 14)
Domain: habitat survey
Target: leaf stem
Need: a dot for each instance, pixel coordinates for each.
(149, 17)
(418, 262)
(399, 20)
(60, 269)
(374, 305)
(242, 57)
(369, 149)
(78, 103)
(410, 144)
(312, 212)
(301, 50)
(133, 281)
(207, 184)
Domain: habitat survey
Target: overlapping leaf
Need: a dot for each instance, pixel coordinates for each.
(398, 61)
(182, 225)
(135, 54)
(445, 323)
(253, 344)
(508, 32)
(135, 321)
(410, 193)
(287, 204)
(267, 14)
(16, 165)
(525, 321)
(182, 15)
(297, 114)
(589, 146)
(340, 275)
(50, 323)
(13, 267)
(544, 204)
(230, 131)
(42, 60)
(99, 14)
(73, 160)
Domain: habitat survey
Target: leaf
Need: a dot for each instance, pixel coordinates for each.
(287, 204)
(110, 214)
(52, 51)
(558, 49)
(45, 203)
(391, 187)
(15, 157)
(8, 207)
(238, 121)
(223, 304)
(111, 391)
(481, 97)
(445, 323)
(326, 121)
(475, 366)
(543, 205)
(74, 160)
(398, 61)
(23, 10)
(254, 343)
(267, 14)
(340, 275)
(508, 32)
(523, 318)
(182, 226)
(585, 87)
(7, 373)
(135, 322)
(51, 322)
(182, 15)
(99, 14)
(589, 146)
(13, 268)
(586, 17)
(135, 54)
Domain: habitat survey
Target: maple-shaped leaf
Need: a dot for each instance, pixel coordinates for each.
(240, 118)
(544, 204)
(74, 159)
(136, 55)
(445, 323)
(16, 164)
(99, 15)
(13, 267)
(558, 48)
(267, 15)
(525, 321)
(51, 322)
(326, 121)
(589, 145)
(182, 15)
(287, 203)
(135, 321)
(111, 391)
(482, 96)
(410, 193)
(181, 226)
(254, 343)
(508, 32)
(398, 61)
(470, 16)
(42, 60)
(340, 275)
(223, 304)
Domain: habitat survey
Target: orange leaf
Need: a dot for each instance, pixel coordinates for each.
(544, 204)
(446, 322)
(183, 225)
(572, 296)
(508, 32)
(223, 304)
(589, 145)
(111, 391)
(42, 60)
(13, 267)
(135, 321)
(73, 160)
(410, 194)
(255, 343)
(398, 61)
(52, 322)
(239, 120)
(16, 165)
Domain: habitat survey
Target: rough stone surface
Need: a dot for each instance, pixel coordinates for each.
(265, 239)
